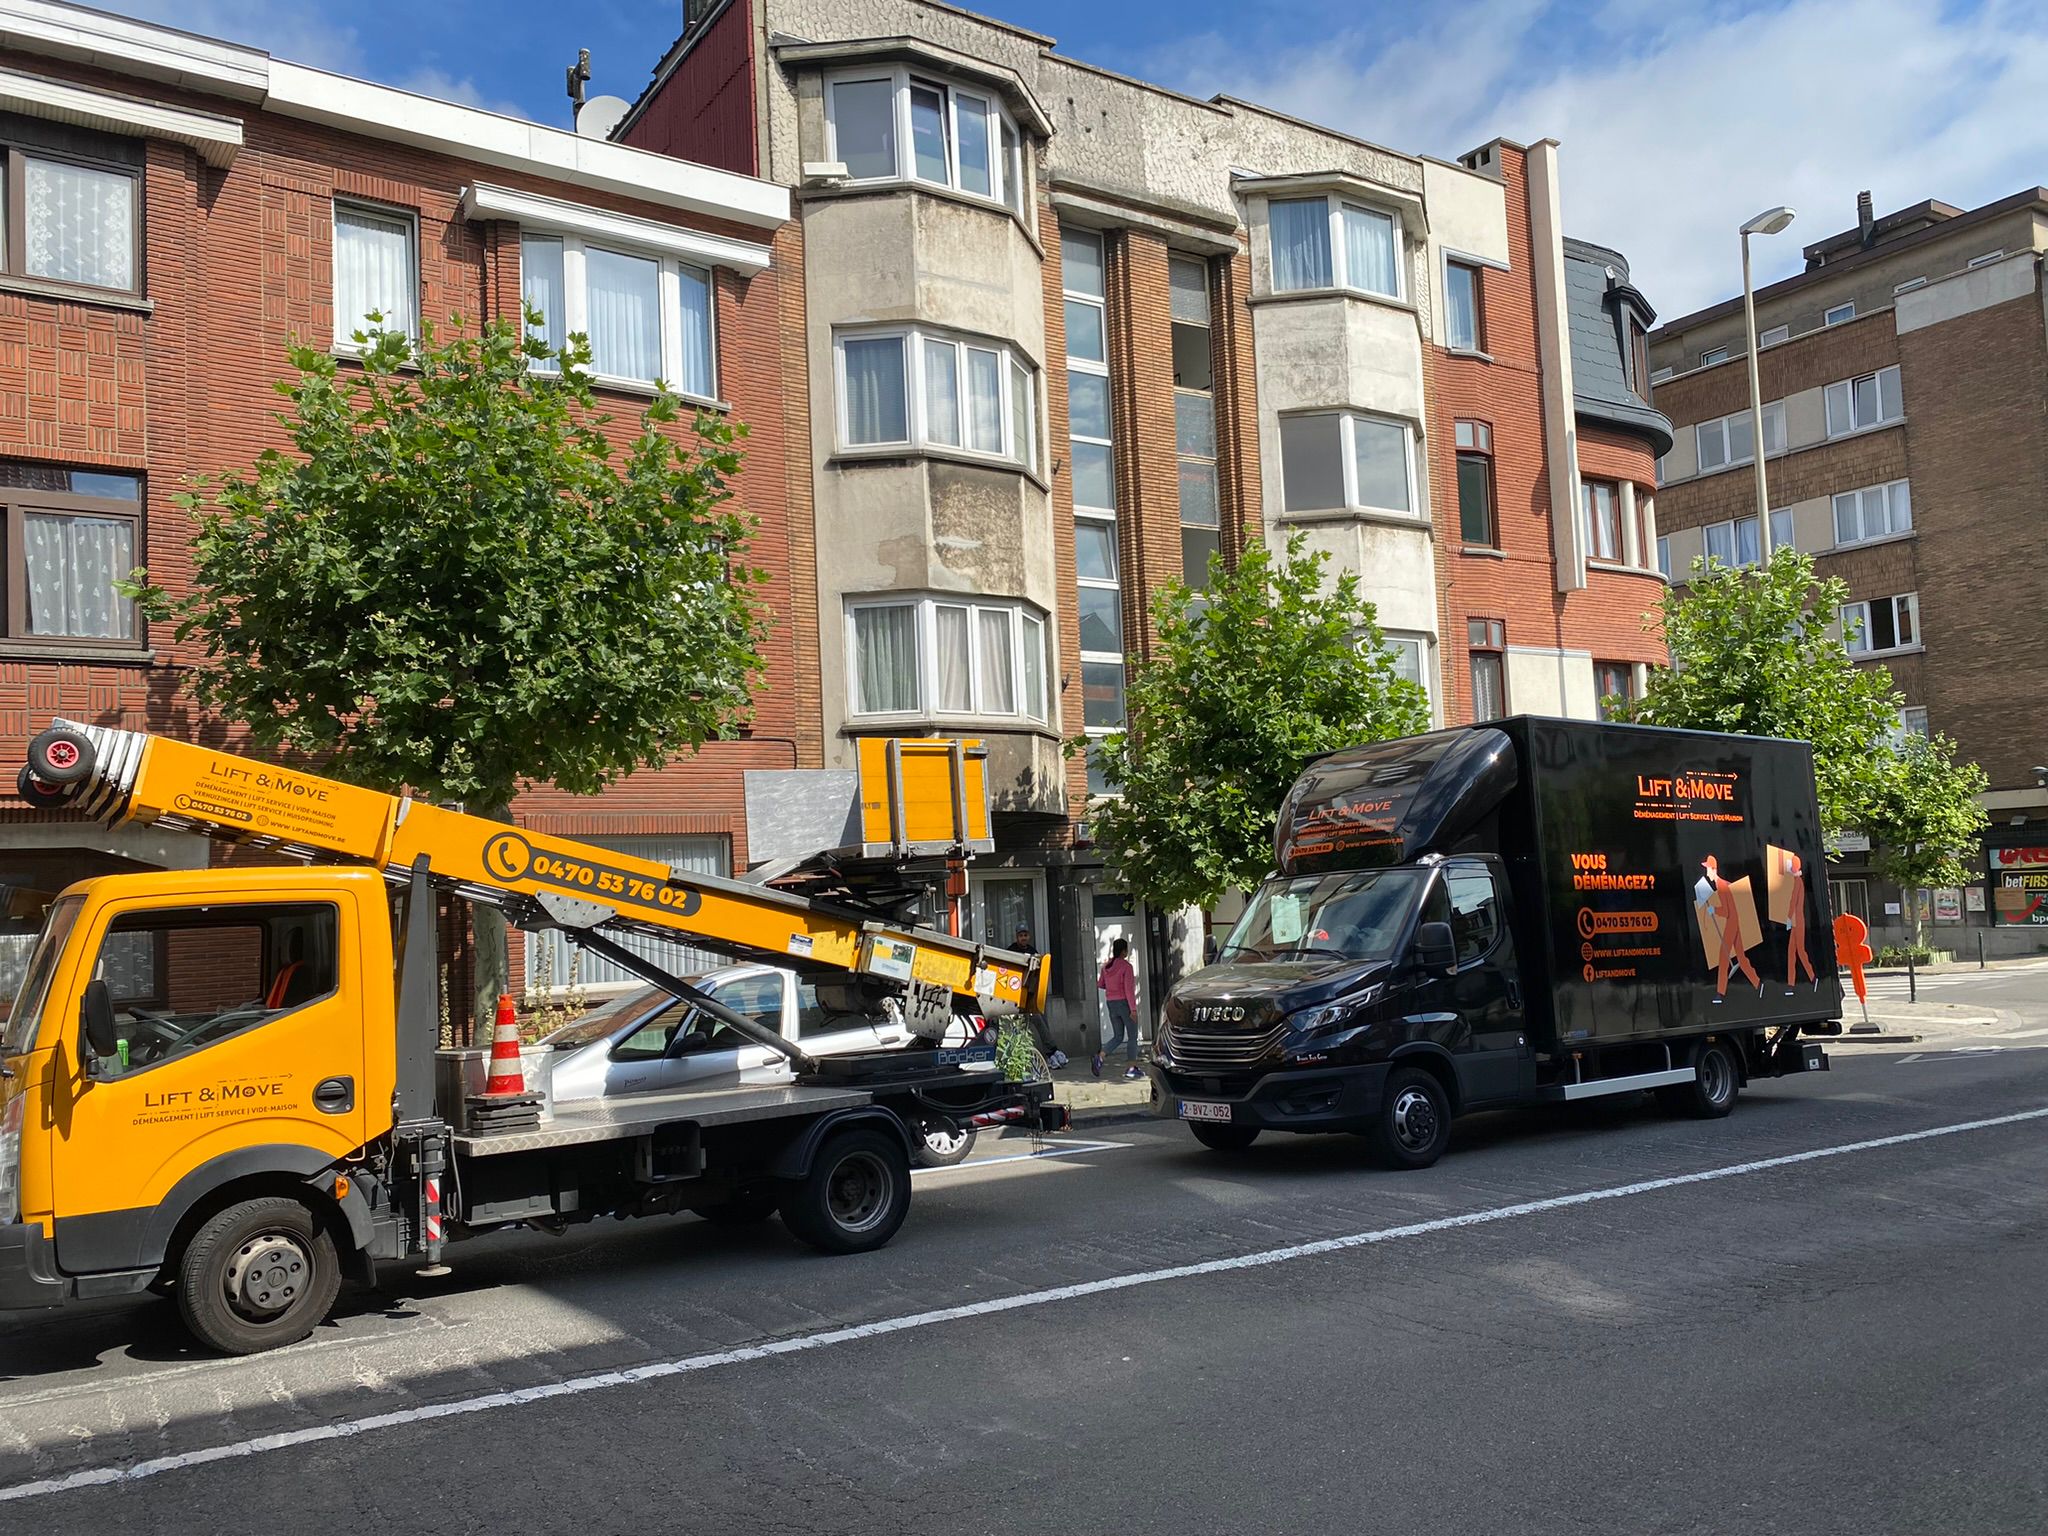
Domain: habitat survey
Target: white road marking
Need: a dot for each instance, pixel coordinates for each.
(1954, 1054)
(94, 1477)
(1063, 1149)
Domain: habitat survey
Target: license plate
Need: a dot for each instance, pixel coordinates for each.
(1198, 1109)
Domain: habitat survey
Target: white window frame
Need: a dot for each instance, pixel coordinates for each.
(1104, 518)
(1659, 375)
(1912, 722)
(1334, 204)
(1713, 355)
(1731, 527)
(576, 309)
(1664, 554)
(914, 339)
(1847, 398)
(1723, 427)
(1348, 451)
(1425, 670)
(1022, 616)
(1772, 335)
(1837, 314)
(1477, 343)
(1772, 543)
(344, 340)
(1906, 603)
(1898, 506)
(1006, 174)
(1588, 524)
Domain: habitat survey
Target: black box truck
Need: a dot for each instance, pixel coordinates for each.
(1508, 913)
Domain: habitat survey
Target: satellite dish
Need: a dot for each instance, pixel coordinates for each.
(597, 117)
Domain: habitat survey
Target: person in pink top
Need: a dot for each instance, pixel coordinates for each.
(1119, 983)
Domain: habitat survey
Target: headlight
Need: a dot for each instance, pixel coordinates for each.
(10, 1158)
(1337, 1015)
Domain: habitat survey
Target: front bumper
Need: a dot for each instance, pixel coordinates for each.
(28, 1270)
(1307, 1099)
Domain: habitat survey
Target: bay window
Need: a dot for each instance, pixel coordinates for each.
(896, 125)
(1331, 242)
(70, 535)
(1600, 505)
(648, 318)
(914, 388)
(1881, 624)
(1333, 461)
(376, 270)
(946, 656)
(1874, 512)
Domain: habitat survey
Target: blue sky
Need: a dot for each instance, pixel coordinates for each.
(1678, 118)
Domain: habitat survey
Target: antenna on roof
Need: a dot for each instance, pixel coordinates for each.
(578, 76)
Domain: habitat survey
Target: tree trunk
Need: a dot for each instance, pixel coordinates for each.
(490, 965)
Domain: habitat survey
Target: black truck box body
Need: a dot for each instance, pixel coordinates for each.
(1607, 832)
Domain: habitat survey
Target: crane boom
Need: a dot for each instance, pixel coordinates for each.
(542, 881)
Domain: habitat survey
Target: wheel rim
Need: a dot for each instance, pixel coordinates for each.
(1717, 1077)
(267, 1275)
(944, 1141)
(62, 754)
(1415, 1119)
(858, 1192)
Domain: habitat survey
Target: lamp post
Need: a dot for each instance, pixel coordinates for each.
(1770, 222)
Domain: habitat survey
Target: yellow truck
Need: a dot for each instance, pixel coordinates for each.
(225, 1085)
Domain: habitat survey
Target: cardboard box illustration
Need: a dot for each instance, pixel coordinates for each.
(1779, 864)
(1750, 932)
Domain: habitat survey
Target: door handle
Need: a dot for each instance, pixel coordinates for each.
(335, 1096)
(1514, 993)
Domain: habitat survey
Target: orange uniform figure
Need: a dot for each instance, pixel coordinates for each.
(1795, 943)
(1730, 924)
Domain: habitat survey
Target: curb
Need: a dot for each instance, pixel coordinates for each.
(1846, 1038)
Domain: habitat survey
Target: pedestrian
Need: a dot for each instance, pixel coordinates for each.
(1041, 1032)
(1119, 984)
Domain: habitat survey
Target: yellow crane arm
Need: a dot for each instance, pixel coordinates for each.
(130, 776)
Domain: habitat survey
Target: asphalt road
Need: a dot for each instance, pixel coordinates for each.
(1842, 1342)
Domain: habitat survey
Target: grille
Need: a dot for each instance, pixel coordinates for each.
(1216, 1050)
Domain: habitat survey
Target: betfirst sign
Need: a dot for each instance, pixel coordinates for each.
(2019, 887)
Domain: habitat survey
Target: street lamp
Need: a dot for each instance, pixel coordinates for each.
(1770, 222)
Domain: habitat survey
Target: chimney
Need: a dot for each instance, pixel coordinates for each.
(1864, 219)
(694, 13)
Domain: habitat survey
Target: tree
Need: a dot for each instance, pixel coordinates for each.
(1251, 677)
(1751, 654)
(1925, 817)
(454, 582)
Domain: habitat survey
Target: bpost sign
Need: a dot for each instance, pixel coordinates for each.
(2019, 887)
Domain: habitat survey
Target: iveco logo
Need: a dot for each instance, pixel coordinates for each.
(1219, 1013)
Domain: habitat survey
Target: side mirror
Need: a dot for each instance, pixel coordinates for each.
(1435, 949)
(96, 1016)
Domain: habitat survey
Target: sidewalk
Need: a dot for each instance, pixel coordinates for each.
(1106, 1097)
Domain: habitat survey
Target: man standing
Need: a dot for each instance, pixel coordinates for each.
(1119, 983)
(1041, 1032)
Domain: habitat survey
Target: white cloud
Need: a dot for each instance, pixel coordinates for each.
(291, 29)
(434, 81)
(1678, 120)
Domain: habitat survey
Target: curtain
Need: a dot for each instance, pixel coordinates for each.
(885, 641)
(956, 688)
(1300, 229)
(1461, 323)
(970, 117)
(373, 270)
(73, 563)
(624, 297)
(80, 224)
(998, 671)
(540, 287)
(985, 400)
(1369, 251)
(699, 374)
(552, 960)
(876, 411)
(942, 393)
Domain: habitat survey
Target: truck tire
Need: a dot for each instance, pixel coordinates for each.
(1715, 1082)
(856, 1194)
(1224, 1138)
(258, 1275)
(36, 792)
(1414, 1122)
(944, 1146)
(61, 756)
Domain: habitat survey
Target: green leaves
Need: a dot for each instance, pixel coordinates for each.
(1251, 677)
(454, 583)
(1751, 654)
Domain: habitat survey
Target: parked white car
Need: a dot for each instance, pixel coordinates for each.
(646, 1041)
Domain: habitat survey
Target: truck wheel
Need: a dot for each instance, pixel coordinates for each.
(856, 1194)
(1224, 1138)
(742, 1210)
(1715, 1082)
(256, 1276)
(1414, 1123)
(61, 756)
(944, 1146)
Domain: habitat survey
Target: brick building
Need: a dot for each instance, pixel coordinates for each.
(178, 209)
(1904, 440)
(1068, 334)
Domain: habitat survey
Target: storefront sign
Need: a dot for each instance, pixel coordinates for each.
(2019, 886)
(1853, 842)
(1948, 904)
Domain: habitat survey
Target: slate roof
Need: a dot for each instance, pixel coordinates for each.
(1597, 293)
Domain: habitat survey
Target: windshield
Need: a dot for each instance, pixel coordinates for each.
(1355, 915)
(607, 1017)
(18, 1032)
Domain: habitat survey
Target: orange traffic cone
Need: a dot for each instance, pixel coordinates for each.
(508, 1078)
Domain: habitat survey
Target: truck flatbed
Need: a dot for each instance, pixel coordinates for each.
(638, 1114)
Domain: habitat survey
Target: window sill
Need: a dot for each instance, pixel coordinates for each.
(1297, 295)
(1360, 515)
(890, 186)
(76, 293)
(1474, 354)
(945, 725)
(1482, 552)
(889, 453)
(639, 387)
(1620, 568)
(1877, 543)
(57, 650)
(1897, 650)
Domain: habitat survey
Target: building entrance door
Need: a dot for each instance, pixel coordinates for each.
(1117, 916)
